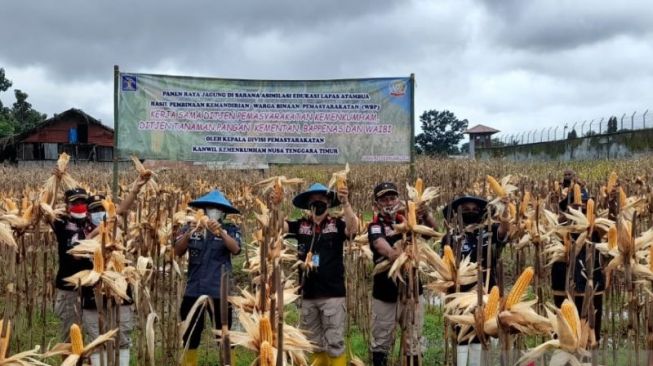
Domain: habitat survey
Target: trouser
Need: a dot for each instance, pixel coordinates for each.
(66, 310)
(92, 326)
(324, 321)
(384, 320)
(598, 310)
(193, 334)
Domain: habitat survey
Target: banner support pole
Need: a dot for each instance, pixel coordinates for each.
(116, 82)
(412, 127)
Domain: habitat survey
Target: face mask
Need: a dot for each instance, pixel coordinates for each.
(318, 207)
(566, 182)
(392, 210)
(78, 211)
(471, 217)
(97, 217)
(215, 214)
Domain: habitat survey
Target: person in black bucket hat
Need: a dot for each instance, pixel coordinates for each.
(467, 233)
(320, 243)
(207, 253)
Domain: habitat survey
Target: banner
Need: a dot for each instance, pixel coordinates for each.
(253, 122)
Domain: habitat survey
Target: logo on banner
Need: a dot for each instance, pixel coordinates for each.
(398, 88)
(129, 83)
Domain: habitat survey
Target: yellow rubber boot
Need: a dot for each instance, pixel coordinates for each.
(190, 358)
(233, 355)
(338, 361)
(320, 359)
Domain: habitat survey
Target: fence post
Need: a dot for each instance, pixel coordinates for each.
(622, 121)
(600, 125)
(632, 121)
(644, 119)
(555, 133)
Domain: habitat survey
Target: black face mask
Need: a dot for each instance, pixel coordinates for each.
(471, 217)
(318, 207)
(566, 182)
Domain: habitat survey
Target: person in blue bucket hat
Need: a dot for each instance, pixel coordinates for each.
(207, 253)
(320, 243)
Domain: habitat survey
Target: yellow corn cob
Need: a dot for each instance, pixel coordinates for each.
(76, 340)
(612, 237)
(591, 215)
(556, 186)
(449, 258)
(109, 207)
(265, 354)
(578, 200)
(27, 213)
(512, 209)
(524, 203)
(419, 187)
(4, 341)
(10, 205)
(278, 190)
(569, 312)
(341, 182)
(98, 261)
(265, 329)
(496, 187)
(492, 306)
(412, 214)
(623, 199)
(612, 182)
(520, 287)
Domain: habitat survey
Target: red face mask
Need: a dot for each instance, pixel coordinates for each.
(78, 210)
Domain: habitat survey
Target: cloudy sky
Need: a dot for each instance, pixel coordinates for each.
(510, 64)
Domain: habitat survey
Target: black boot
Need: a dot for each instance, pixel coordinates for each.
(379, 359)
(415, 360)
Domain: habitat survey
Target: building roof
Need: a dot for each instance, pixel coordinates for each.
(52, 120)
(481, 129)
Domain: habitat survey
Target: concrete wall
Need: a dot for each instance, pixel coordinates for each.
(609, 146)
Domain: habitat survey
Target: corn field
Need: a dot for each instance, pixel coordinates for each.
(516, 321)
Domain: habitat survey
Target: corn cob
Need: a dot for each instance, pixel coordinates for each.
(4, 341)
(98, 261)
(412, 215)
(623, 199)
(612, 237)
(492, 306)
(591, 215)
(556, 186)
(569, 312)
(612, 182)
(449, 258)
(520, 287)
(496, 187)
(341, 182)
(278, 192)
(513, 210)
(76, 340)
(419, 187)
(265, 329)
(266, 357)
(109, 207)
(578, 199)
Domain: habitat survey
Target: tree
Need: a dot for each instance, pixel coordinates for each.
(6, 120)
(441, 133)
(612, 124)
(24, 116)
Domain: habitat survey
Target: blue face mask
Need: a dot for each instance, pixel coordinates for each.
(97, 217)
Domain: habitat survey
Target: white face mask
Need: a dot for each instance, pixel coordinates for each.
(97, 217)
(214, 214)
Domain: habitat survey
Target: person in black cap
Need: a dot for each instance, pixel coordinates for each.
(385, 293)
(576, 285)
(466, 236)
(68, 229)
(321, 237)
(208, 252)
(90, 316)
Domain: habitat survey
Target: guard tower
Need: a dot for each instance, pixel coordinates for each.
(479, 136)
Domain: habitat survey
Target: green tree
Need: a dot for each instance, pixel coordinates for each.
(441, 133)
(6, 119)
(23, 114)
